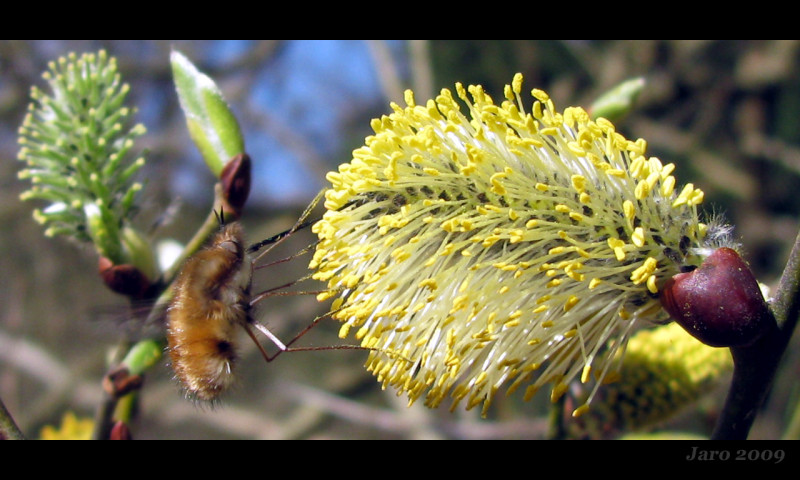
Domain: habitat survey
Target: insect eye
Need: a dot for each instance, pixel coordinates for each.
(230, 246)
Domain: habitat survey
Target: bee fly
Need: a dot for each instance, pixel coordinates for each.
(211, 300)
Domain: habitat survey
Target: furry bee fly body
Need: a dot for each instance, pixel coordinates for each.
(211, 300)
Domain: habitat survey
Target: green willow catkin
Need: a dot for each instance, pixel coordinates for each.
(76, 147)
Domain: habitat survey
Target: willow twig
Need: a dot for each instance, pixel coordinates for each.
(104, 415)
(755, 365)
(8, 428)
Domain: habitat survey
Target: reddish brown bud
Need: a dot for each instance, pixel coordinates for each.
(125, 279)
(719, 303)
(120, 431)
(119, 382)
(235, 180)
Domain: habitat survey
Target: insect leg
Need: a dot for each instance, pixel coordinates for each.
(287, 347)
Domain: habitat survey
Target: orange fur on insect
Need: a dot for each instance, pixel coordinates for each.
(211, 299)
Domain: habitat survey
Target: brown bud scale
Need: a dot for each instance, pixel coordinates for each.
(719, 303)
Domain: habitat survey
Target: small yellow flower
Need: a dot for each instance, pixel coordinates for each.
(72, 428)
(510, 247)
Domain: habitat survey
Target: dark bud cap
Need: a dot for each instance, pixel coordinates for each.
(124, 279)
(119, 382)
(720, 302)
(235, 180)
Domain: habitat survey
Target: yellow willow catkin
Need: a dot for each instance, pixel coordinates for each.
(510, 247)
(664, 371)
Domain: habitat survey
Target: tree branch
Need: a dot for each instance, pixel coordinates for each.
(755, 365)
(8, 429)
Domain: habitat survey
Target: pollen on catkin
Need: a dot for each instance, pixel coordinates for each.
(510, 247)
